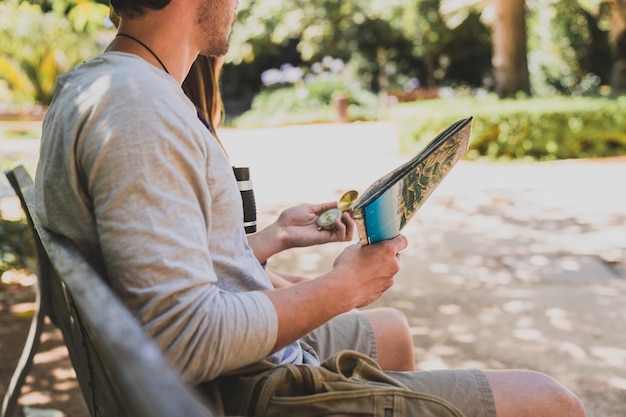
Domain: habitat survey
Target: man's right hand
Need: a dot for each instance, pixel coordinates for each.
(369, 270)
(360, 275)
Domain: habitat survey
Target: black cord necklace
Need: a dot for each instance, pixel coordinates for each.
(125, 35)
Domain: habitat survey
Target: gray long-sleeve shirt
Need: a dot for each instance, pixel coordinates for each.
(130, 174)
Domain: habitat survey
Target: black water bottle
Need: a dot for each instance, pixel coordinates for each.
(242, 174)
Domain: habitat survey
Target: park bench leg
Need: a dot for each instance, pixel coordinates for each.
(9, 403)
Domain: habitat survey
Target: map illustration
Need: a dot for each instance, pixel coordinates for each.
(388, 204)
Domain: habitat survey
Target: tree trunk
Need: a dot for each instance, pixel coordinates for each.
(618, 43)
(509, 48)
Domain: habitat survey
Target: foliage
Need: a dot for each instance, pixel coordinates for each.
(84, 15)
(468, 54)
(269, 33)
(308, 102)
(320, 27)
(16, 245)
(394, 45)
(390, 45)
(432, 34)
(534, 129)
(570, 52)
(36, 47)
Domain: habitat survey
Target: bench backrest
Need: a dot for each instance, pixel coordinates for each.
(120, 370)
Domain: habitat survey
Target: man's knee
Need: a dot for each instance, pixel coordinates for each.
(560, 400)
(393, 339)
(566, 401)
(393, 316)
(390, 323)
(525, 393)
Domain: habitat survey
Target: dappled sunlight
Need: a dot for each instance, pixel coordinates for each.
(419, 330)
(524, 322)
(444, 350)
(19, 277)
(573, 350)
(34, 397)
(616, 290)
(619, 383)
(517, 306)
(489, 315)
(464, 337)
(450, 309)
(405, 305)
(431, 363)
(529, 335)
(610, 355)
(50, 356)
(51, 383)
(568, 268)
(473, 365)
(457, 328)
(559, 319)
(470, 272)
(23, 310)
(410, 293)
(462, 333)
(67, 384)
(439, 268)
(61, 385)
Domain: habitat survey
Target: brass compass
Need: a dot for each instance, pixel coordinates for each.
(326, 220)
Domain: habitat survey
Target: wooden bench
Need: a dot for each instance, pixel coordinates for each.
(120, 370)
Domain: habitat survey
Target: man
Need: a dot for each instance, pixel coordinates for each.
(130, 174)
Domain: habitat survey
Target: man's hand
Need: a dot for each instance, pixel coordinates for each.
(369, 270)
(360, 275)
(297, 227)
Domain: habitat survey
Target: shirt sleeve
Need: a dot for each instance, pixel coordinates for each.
(147, 181)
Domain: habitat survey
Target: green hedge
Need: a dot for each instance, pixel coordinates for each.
(531, 129)
(313, 102)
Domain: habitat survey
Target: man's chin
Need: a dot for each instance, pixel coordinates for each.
(212, 54)
(215, 51)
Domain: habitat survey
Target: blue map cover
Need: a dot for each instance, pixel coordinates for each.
(387, 205)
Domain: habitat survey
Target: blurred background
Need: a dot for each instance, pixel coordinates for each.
(542, 78)
(518, 260)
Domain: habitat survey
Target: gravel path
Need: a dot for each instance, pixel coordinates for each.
(509, 265)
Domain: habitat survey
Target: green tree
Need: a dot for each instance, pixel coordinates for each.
(508, 22)
(569, 47)
(431, 34)
(454, 42)
(367, 34)
(618, 41)
(37, 46)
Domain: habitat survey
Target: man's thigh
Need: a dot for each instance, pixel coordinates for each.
(467, 389)
(349, 331)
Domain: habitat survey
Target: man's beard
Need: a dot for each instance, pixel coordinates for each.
(211, 44)
(215, 50)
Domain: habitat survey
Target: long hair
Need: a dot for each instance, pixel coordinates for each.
(202, 87)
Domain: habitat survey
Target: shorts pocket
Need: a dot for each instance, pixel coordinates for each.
(348, 384)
